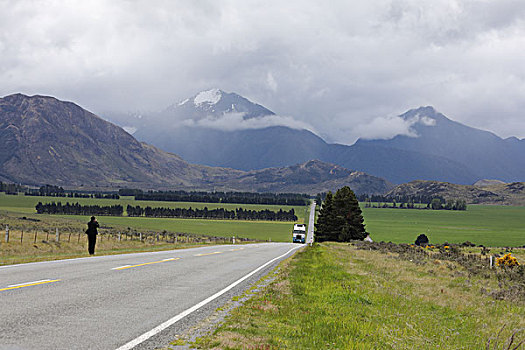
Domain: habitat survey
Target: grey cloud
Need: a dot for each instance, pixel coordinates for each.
(342, 67)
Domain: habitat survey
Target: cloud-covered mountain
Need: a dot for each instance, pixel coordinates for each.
(225, 129)
(483, 153)
(215, 128)
(44, 140)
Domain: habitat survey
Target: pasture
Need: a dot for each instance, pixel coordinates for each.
(480, 224)
(494, 226)
(260, 230)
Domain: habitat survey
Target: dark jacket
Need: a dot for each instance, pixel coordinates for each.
(92, 228)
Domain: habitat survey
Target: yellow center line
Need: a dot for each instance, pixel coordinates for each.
(148, 263)
(28, 285)
(203, 254)
(233, 250)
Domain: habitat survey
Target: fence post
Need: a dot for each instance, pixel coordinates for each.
(22, 237)
(233, 240)
(119, 236)
(36, 233)
(140, 234)
(7, 233)
(57, 235)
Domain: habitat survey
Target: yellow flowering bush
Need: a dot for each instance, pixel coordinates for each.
(507, 261)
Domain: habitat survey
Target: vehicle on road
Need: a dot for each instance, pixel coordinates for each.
(299, 233)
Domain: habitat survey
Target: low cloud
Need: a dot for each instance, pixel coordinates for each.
(385, 128)
(236, 121)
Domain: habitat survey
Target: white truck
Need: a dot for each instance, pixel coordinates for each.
(299, 233)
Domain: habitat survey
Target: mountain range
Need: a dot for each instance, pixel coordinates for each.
(222, 129)
(45, 140)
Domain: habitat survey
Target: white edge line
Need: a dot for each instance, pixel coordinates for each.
(171, 321)
(23, 284)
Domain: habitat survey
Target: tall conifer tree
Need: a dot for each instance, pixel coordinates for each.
(340, 218)
(323, 227)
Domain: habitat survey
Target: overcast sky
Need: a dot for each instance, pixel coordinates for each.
(339, 66)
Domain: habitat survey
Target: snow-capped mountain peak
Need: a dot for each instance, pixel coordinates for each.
(209, 97)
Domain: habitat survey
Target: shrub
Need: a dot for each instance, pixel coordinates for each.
(507, 261)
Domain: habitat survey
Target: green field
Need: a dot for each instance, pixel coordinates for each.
(260, 230)
(487, 225)
(26, 204)
(479, 224)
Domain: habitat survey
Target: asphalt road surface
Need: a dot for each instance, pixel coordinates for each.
(138, 301)
(311, 220)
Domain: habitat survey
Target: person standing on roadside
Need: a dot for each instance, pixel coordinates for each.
(92, 233)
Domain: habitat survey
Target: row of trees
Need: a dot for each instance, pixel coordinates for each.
(9, 188)
(219, 197)
(219, 213)
(57, 191)
(134, 211)
(77, 209)
(340, 218)
(377, 198)
(435, 204)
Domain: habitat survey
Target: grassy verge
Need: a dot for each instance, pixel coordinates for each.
(16, 253)
(337, 297)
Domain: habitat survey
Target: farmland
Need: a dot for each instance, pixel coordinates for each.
(260, 230)
(487, 225)
(479, 224)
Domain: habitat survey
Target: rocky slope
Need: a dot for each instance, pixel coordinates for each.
(252, 137)
(505, 193)
(44, 140)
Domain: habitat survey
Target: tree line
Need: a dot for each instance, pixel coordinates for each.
(340, 218)
(160, 212)
(219, 197)
(219, 213)
(377, 198)
(10, 188)
(435, 204)
(58, 191)
(78, 209)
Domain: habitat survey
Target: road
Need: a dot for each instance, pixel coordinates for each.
(138, 301)
(311, 221)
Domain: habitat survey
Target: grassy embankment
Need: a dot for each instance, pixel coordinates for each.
(334, 296)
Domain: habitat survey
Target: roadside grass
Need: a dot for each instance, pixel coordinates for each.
(16, 253)
(333, 296)
(491, 226)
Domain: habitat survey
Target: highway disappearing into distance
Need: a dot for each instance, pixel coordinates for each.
(128, 301)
